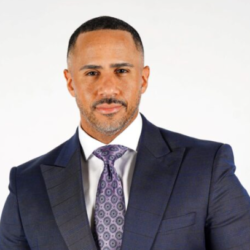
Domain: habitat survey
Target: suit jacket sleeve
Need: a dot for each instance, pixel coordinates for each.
(228, 220)
(11, 231)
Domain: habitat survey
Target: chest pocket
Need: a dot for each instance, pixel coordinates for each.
(179, 222)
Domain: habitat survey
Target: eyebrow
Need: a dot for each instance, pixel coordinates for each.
(114, 65)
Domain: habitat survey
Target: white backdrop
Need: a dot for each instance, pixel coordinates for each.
(198, 52)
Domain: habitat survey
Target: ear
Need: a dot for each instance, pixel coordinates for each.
(145, 76)
(69, 81)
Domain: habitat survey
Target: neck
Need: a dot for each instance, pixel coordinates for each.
(102, 137)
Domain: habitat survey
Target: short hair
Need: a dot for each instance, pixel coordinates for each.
(102, 23)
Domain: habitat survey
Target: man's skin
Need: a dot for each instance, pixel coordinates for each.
(106, 64)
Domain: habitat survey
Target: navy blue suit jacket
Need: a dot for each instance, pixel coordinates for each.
(184, 196)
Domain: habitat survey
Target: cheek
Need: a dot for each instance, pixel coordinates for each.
(84, 92)
(132, 95)
(132, 86)
(84, 98)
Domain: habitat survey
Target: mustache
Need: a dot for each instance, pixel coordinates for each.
(109, 101)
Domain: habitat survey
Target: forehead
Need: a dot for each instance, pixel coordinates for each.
(105, 37)
(106, 43)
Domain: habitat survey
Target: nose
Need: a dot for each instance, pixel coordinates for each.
(108, 86)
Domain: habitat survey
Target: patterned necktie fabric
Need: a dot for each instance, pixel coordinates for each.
(110, 204)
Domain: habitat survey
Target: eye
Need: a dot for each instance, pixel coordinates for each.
(92, 73)
(121, 71)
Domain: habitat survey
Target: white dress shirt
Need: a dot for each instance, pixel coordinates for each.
(92, 166)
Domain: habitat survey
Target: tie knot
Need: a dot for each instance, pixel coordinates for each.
(110, 153)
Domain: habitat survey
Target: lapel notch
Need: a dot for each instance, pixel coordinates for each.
(63, 181)
(155, 173)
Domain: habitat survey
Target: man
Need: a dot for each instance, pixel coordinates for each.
(121, 182)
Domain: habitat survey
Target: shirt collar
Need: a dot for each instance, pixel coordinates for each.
(128, 138)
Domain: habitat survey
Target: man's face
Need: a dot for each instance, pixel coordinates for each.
(106, 76)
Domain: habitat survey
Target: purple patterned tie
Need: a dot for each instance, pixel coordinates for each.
(110, 205)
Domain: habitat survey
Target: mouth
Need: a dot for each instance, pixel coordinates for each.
(108, 108)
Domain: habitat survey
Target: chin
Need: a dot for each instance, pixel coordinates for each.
(111, 126)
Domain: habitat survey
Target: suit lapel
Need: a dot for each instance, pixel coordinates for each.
(154, 176)
(63, 181)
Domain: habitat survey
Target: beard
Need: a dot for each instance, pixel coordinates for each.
(113, 125)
